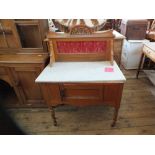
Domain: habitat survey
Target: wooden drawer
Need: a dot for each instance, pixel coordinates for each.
(81, 94)
(149, 53)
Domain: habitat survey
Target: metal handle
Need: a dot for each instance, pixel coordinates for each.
(62, 93)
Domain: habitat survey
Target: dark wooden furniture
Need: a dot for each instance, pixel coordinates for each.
(134, 29)
(20, 71)
(23, 55)
(148, 51)
(73, 75)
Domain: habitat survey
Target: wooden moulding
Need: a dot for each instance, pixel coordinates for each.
(105, 36)
(98, 34)
(112, 52)
(52, 55)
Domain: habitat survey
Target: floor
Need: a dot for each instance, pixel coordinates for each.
(136, 115)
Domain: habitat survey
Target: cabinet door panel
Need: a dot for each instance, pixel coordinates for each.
(25, 81)
(8, 34)
(81, 94)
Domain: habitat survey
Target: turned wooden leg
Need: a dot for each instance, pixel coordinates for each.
(140, 63)
(115, 117)
(53, 116)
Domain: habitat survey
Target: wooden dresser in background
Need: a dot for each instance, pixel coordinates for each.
(23, 55)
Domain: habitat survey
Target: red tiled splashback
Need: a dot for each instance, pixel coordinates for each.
(79, 47)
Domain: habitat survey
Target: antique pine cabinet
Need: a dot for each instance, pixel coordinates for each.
(23, 55)
(81, 71)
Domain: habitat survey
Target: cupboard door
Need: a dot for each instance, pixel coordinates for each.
(24, 79)
(8, 34)
(81, 94)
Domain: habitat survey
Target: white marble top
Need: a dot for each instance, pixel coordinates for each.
(80, 72)
(151, 45)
